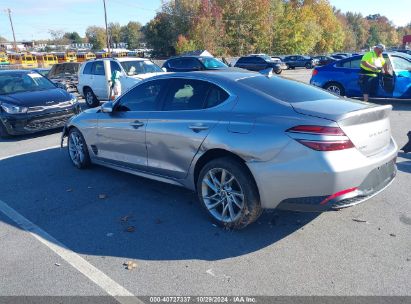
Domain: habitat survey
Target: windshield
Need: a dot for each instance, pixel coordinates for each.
(212, 63)
(64, 69)
(140, 67)
(16, 83)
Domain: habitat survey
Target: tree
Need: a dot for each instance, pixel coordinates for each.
(184, 45)
(97, 36)
(73, 37)
(115, 33)
(58, 38)
(132, 34)
(2, 39)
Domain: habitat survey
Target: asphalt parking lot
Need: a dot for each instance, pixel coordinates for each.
(66, 231)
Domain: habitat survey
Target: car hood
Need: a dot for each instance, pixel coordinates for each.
(146, 75)
(36, 98)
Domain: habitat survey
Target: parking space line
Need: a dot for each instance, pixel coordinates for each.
(111, 287)
(29, 152)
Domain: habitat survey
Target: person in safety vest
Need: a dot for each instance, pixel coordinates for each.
(372, 63)
(115, 88)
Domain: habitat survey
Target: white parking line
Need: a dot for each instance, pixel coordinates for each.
(29, 152)
(111, 287)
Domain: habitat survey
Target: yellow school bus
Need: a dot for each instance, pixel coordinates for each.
(46, 60)
(84, 56)
(119, 54)
(26, 60)
(69, 56)
(100, 55)
(4, 59)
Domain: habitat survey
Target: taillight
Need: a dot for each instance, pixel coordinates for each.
(303, 134)
(315, 72)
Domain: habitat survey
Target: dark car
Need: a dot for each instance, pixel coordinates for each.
(258, 62)
(193, 63)
(338, 57)
(342, 77)
(66, 74)
(299, 61)
(29, 102)
(42, 71)
(324, 60)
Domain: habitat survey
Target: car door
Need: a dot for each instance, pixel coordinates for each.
(98, 80)
(347, 74)
(402, 76)
(122, 133)
(191, 109)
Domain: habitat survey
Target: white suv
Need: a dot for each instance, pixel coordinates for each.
(92, 83)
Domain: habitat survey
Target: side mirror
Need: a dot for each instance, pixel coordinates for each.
(107, 107)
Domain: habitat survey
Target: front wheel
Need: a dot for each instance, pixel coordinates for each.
(335, 88)
(278, 71)
(308, 65)
(228, 193)
(3, 131)
(77, 149)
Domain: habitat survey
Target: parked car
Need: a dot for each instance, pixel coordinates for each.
(65, 74)
(279, 61)
(92, 80)
(243, 141)
(324, 60)
(295, 61)
(29, 102)
(193, 63)
(338, 57)
(258, 62)
(342, 77)
(42, 71)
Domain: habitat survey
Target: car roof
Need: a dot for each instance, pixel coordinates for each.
(18, 72)
(189, 56)
(211, 75)
(123, 59)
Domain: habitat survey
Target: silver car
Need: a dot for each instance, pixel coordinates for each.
(243, 141)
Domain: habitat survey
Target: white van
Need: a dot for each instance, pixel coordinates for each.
(92, 83)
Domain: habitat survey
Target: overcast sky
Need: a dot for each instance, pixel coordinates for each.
(34, 18)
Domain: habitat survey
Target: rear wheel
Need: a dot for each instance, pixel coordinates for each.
(278, 71)
(335, 88)
(77, 149)
(91, 99)
(308, 65)
(228, 193)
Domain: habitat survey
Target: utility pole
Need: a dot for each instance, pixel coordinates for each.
(12, 29)
(105, 18)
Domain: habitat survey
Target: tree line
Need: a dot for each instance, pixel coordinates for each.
(239, 27)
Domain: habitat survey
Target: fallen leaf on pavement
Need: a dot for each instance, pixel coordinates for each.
(130, 265)
(57, 264)
(359, 220)
(131, 229)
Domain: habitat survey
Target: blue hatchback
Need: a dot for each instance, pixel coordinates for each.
(341, 77)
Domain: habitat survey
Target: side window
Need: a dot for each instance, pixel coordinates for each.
(186, 94)
(191, 63)
(259, 60)
(400, 63)
(215, 96)
(144, 97)
(114, 66)
(98, 68)
(351, 64)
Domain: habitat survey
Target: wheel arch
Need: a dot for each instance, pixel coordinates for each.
(337, 83)
(218, 153)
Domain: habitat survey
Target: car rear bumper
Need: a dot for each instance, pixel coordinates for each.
(31, 123)
(308, 180)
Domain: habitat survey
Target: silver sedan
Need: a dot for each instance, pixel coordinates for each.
(243, 141)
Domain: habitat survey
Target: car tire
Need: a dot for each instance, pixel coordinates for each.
(3, 131)
(308, 65)
(335, 88)
(234, 205)
(278, 71)
(77, 149)
(90, 97)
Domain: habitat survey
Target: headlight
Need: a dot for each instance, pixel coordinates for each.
(12, 109)
(73, 99)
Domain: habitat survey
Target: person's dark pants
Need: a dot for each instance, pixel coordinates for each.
(368, 84)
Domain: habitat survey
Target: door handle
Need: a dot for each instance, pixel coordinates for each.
(197, 128)
(137, 124)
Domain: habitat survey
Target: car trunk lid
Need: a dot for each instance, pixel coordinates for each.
(366, 124)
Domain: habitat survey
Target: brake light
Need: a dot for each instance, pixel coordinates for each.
(321, 130)
(321, 144)
(315, 72)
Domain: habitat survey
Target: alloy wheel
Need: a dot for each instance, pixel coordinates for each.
(222, 195)
(76, 148)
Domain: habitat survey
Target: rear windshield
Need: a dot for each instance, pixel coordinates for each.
(286, 90)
